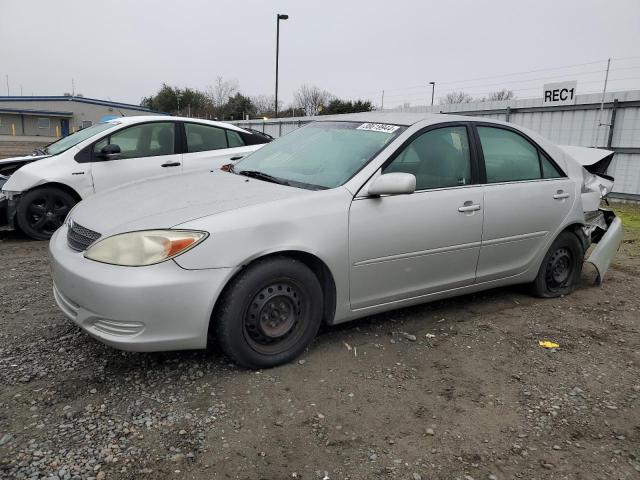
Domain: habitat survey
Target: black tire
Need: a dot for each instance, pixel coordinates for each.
(561, 267)
(270, 313)
(42, 211)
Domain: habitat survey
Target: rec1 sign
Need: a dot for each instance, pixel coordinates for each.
(561, 93)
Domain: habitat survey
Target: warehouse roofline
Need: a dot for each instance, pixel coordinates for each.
(62, 98)
(24, 111)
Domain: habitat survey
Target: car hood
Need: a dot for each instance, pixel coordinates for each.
(9, 165)
(169, 201)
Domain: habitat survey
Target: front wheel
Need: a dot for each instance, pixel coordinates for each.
(270, 313)
(42, 211)
(561, 267)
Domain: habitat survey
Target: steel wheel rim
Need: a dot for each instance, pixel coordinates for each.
(46, 213)
(273, 320)
(559, 269)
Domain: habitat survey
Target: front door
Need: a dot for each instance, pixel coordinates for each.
(406, 246)
(64, 127)
(146, 150)
(526, 199)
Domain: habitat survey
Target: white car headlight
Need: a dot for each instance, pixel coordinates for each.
(136, 249)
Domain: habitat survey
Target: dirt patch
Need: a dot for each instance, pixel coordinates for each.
(453, 389)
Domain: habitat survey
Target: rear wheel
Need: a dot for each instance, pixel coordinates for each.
(561, 267)
(270, 313)
(42, 211)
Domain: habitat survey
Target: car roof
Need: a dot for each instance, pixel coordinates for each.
(154, 118)
(403, 118)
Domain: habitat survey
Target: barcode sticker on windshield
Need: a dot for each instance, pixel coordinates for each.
(378, 127)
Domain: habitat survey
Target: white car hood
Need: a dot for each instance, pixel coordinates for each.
(30, 158)
(169, 201)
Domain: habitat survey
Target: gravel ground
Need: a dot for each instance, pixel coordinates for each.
(454, 389)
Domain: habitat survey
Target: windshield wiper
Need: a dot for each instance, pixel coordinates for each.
(263, 176)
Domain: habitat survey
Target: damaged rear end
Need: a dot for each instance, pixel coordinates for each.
(602, 227)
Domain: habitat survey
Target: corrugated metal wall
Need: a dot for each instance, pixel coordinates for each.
(566, 125)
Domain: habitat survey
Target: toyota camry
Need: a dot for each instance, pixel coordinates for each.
(343, 218)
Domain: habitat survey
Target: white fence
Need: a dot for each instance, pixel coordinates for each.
(579, 124)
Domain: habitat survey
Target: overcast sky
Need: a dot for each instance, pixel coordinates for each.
(123, 50)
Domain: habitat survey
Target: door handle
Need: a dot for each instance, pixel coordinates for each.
(237, 157)
(469, 207)
(171, 164)
(561, 195)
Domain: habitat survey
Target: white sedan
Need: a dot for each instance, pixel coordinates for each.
(346, 217)
(39, 190)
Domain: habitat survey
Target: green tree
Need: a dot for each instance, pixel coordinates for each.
(338, 106)
(174, 100)
(195, 103)
(166, 100)
(237, 106)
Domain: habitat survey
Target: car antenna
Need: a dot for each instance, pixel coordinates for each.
(119, 111)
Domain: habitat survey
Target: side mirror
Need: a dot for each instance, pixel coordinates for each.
(109, 151)
(396, 183)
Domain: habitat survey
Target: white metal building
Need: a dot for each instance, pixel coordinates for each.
(574, 124)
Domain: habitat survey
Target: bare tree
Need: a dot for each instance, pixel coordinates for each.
(503, 94)
(311, 99)
(220, 92)
(456, 97)
(265, 105)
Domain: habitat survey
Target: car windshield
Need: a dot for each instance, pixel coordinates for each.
(66, 143)
(319, 155)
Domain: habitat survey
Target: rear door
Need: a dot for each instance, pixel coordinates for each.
(208, 147)
(526, 198)
(146, 150)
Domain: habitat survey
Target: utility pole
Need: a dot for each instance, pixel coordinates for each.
(278, 18)
(382, 105)
(604, 91)
(8, 94)
(433, 89)
(73, 88)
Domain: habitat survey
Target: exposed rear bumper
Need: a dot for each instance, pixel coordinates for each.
(606, 248)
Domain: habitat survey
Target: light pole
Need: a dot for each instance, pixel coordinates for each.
(433, 89)
(279, 17)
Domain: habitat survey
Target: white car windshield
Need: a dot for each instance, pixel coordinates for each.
(67, 142)
(319, 155)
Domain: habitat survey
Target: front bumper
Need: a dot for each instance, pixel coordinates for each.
(7, 212)
(153, 308)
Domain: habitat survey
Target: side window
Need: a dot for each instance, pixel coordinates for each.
(204, 137)
(146, 140)
(234, 138)
(98, 146)
(508, 157)
(438, 159)
(548, 169)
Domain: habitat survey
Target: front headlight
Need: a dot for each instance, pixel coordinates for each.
(136, 249)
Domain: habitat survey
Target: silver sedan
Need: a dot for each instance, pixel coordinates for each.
(343, 218)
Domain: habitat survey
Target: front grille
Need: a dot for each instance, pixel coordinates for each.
(80, 238)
